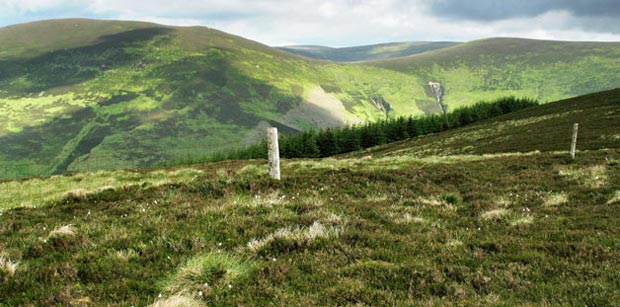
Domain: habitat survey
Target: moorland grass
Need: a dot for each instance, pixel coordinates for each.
(424, 232)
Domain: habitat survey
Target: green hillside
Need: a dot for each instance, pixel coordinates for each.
(429, 221)
(366, 53)
(543, 70)
(82, 94)
(545, 128)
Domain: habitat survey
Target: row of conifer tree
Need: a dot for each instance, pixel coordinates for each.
(334, 141)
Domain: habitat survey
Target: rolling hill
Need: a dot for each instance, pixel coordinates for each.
(82, 94)
(79, 94)
(491, 214)
(366, 53)
(543, 70)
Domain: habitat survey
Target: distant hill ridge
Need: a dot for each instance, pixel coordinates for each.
(367, 52)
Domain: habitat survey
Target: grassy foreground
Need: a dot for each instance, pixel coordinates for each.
(506, 229)
(491, 214)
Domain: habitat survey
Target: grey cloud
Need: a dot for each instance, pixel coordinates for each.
(491, 10)
(349, 22)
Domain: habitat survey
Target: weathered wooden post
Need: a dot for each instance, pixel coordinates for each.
(573, 145)
(274, 153)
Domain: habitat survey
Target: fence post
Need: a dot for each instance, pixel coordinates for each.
(274, 153)
(573, 145)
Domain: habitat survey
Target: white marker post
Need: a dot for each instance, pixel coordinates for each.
(573, 145)
(274, 153)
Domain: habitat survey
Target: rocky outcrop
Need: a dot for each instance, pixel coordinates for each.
(381, 104)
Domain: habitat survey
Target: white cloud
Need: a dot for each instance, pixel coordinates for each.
(329, 22)
(24, 6)
(327, 9)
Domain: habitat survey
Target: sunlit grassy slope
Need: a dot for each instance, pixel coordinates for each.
(82, 95)
(544, 70)
(544, 128)
(522, 225)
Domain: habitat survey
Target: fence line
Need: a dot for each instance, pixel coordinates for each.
(108, 161)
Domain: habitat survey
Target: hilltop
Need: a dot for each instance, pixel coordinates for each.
(367, 52)
(491, 214)
(79, 95)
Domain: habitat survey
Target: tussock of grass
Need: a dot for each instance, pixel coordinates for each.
(431, 201)
(126, 255)
(408, 218)
(495, 214)
(294, 237)
(177, 300)
(402, 215)
(105, 188)
(61, 231)
(7, 267)
(503, 201)
(252, 170)
(376, 197)
(456, 239)
(269, 200)
(445, 202)
(265, 201)
(454, 243)
(81, 302)
(555, 199)
(203, 272)
(612, 137)
(591, 176)
(185, 173)
(615, 198)
(77, 193)
(329, 218)
(520, 220)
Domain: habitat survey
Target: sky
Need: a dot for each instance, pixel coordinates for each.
(340, 23)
